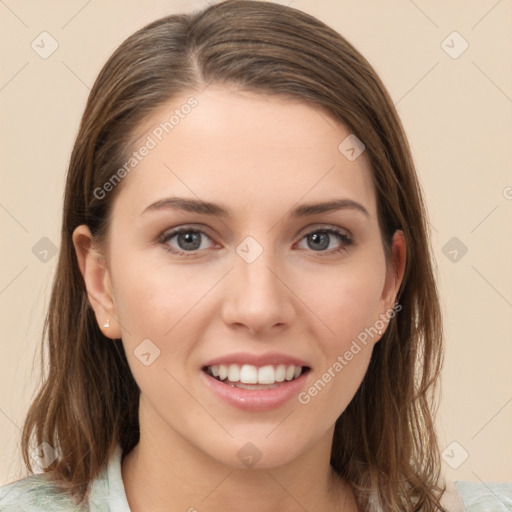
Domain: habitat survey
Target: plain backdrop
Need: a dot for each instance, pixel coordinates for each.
(454, 101)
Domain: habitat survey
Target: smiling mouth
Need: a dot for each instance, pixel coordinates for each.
(254, 378)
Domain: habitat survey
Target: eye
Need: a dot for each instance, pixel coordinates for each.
(320, 239)
(187, 239)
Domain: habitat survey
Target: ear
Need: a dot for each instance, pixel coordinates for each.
(394, 272)
(97, 281)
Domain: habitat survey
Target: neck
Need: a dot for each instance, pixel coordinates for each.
(165, 473)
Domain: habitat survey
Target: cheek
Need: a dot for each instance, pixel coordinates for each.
(152, 298)
(350, 309)
(156, 315)
(347, 299)
(161, 303)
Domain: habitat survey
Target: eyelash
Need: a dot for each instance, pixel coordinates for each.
(342, 236)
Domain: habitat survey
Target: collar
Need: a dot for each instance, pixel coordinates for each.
(107, 491)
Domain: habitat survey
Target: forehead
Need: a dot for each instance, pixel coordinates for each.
(257, 153)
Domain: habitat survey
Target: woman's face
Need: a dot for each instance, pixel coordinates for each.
(257, 283)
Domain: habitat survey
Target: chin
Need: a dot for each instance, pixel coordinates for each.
(255, 453)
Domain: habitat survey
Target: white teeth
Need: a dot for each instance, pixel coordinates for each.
(290, 372)
(249, 374)
(234, 373)
(223, 371)
(266, 375)
(280, 373)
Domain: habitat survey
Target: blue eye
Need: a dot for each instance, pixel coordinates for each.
(189, 240)
(320, 239)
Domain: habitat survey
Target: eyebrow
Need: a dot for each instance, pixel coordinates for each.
(208, 208)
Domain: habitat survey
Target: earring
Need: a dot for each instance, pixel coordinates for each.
(107, 324)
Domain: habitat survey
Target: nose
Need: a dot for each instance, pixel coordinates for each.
(258, 297)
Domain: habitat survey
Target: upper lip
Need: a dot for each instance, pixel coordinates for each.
(268, 358)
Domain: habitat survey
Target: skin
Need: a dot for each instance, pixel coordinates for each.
(261, 157)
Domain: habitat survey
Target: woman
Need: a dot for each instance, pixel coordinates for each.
(244, 312)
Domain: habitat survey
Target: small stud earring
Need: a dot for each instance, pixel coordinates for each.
(107, 324)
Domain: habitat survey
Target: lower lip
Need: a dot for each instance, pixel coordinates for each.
(258, 399)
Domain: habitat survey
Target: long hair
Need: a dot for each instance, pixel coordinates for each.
(384, 443)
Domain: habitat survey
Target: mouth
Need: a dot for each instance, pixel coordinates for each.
(247, 376)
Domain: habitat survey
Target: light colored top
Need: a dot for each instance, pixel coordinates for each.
(36, 493)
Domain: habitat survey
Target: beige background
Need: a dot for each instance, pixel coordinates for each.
(457, 113)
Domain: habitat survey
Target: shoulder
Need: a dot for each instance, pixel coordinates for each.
(39, 493)
(35, 493)
(485, 496)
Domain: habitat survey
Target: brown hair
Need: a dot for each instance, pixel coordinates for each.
(384, 442)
